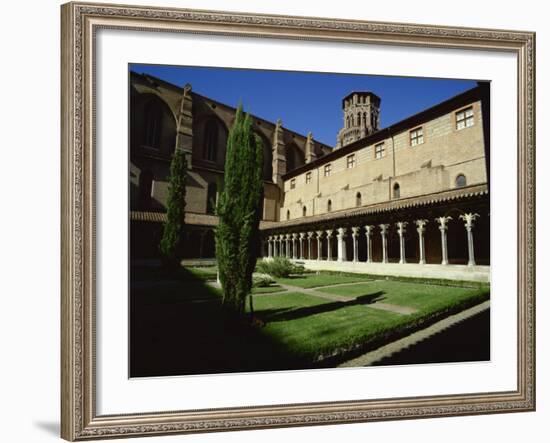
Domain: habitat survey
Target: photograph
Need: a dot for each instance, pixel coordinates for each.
(290, 220)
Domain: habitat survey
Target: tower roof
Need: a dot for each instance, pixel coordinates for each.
(361, 93)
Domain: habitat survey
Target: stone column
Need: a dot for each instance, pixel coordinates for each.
(287, 245)
(302, 236)
(401, 232)
(294, 246)
(309, 237)
(383, 233)
(329, 246)
(279, 246)
(342, 256)
(420, 228)
(355, 235)
(319, 245)
(368, 234)
(443, 228)
(469, 220)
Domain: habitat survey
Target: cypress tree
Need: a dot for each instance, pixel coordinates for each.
(173, 228)
(237, 234)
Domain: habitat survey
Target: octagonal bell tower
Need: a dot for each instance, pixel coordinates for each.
(361, 117)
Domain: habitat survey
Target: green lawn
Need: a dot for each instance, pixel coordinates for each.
(312, 328)
(425, 298)
(317, 280)
(177, 326)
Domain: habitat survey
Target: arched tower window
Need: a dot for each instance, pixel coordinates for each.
(396, 191)
(304, 211)
(358, 199)
(460, 181)
(210, 138)
(329, 206)
(211, 198)
(145, 188)
(288, 215)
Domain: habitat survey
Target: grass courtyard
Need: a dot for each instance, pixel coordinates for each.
(312, 320)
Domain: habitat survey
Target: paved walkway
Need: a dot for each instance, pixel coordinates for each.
(385, 351)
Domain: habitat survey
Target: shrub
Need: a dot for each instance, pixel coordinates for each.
(279, 267)
(261, 280)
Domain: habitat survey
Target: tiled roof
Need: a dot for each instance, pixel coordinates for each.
(393, 205)
(160, 217)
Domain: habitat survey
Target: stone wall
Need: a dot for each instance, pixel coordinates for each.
(429, 167)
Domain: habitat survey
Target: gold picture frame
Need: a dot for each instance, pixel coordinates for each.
(80, 21)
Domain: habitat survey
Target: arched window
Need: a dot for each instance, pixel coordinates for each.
(288, 215)
(153, 124)
(304, 211)
(396, 191)
(460, 180)
(358, 119)
(210, 138)
(329, 206)
(211, 198)
(145, 188)
(358, 199)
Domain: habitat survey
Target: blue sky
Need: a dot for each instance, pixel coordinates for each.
(309, 101)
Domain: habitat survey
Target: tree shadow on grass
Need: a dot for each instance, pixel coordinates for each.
(306, 311)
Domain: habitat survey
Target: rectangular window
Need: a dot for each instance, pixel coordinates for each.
(328, 168)
(351, 161)
(417, 136)
(292, 183)
(308, 178)
(465, 118)
(379, 150)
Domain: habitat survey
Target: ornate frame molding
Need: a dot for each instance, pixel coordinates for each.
(79, 420)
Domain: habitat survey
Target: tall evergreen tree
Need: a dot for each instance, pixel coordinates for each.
(173, 228)
(237, 234)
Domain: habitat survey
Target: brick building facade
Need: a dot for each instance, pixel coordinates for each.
(413, 193)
